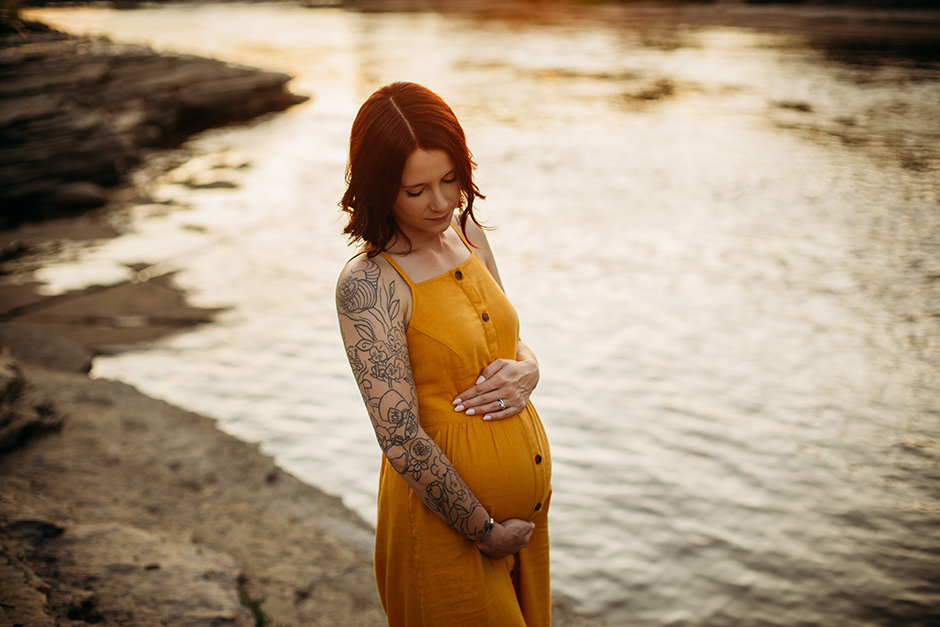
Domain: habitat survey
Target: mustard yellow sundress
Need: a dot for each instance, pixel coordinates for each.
(429, 575)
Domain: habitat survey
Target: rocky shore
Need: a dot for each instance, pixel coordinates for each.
(118, 509)
(76, 115)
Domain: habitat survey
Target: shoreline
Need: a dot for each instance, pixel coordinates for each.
(119, 509)
(137, 512)
(78, 115)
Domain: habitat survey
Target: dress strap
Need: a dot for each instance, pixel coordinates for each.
(397, 267)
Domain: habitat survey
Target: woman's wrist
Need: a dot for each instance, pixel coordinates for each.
(487, 530)
(531, 365)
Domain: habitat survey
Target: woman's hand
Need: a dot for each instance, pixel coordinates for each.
(511, 381)
(506, 538)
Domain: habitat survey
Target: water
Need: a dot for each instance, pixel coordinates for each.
(723, 248)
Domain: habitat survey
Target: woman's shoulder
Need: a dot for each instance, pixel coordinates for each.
(474, 234)
(477, 238)
(363, 280)
(362, 266)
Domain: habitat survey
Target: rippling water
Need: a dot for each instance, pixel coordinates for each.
(723, 246)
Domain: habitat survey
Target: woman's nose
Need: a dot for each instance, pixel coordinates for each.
(439, 200)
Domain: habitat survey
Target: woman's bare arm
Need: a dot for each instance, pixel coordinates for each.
(372, 324)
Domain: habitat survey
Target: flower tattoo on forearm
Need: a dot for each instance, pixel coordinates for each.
(374, 335)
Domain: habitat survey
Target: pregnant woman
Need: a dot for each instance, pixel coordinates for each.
(433, 342)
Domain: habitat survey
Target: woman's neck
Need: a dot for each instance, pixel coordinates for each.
(421, 243)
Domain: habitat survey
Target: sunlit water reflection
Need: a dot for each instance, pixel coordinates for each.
(720, 249)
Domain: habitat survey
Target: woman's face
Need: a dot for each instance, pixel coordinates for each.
(429, 193)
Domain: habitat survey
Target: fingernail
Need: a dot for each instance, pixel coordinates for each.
(487, 417)
(480, 380)
(458, 408)
(470, 412)
(456, 401)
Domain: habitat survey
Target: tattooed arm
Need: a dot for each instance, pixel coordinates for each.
(372, 322)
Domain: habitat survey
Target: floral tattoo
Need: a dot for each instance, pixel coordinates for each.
(374, 336)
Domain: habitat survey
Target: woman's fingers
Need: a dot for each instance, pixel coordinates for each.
(507, 537)
(493, 368)
(487, 382)
(493, 402)
(500, 396)
(494, 410)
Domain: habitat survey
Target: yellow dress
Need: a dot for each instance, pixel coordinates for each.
(429, 575)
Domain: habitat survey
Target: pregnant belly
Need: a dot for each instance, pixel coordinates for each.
(507, 463)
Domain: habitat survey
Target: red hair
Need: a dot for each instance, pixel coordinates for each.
(394, 122)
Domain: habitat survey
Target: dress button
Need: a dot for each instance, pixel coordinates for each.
(458, 274)
(486, 317)
(538, 459)
(538, 506)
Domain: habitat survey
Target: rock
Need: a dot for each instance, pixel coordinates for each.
(144, 578)
(22, 413)
(44, 349)
(101, 319)
(12, 23)
(115, 574)
(11, 380)
(35, 530)
(23, 596)
(78, 195)
(76, 114)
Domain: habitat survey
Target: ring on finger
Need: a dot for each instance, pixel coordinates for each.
(502, 405)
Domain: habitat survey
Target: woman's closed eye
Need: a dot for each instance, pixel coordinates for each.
(447, 181)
